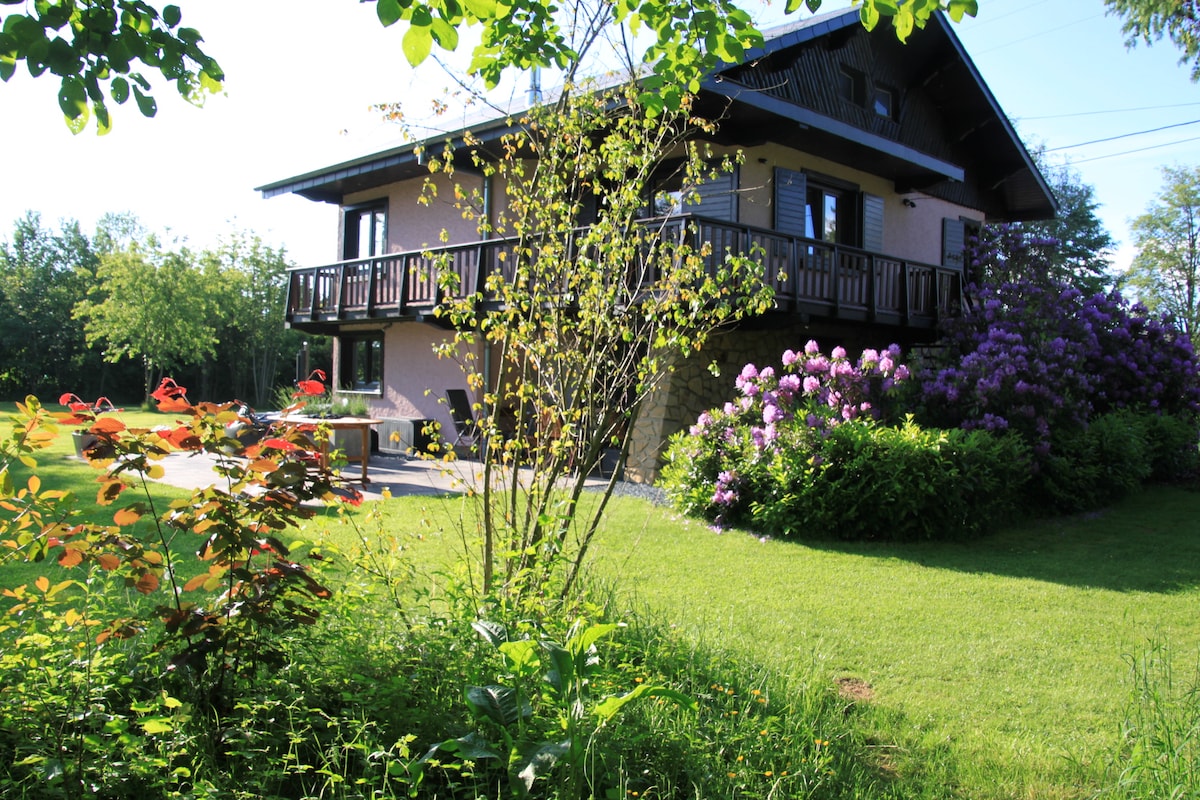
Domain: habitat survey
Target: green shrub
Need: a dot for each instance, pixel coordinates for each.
(1117, 452)
(868, 481)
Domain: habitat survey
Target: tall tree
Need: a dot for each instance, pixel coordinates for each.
(1149, 20)
(154, 306)
(253, 338)
(43, 274)
(1073, 248)
(1166, 271)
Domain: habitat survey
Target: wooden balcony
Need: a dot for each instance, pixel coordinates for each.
(811, 278)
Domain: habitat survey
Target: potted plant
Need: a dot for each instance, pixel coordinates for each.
(83, 414)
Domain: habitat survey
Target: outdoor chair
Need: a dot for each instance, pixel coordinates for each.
(466, 427)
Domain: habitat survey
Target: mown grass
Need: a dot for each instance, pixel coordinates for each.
(992, 669)
(999, 666)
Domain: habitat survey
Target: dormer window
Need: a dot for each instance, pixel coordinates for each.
(852, 85)
(882, 102)
(855, 87)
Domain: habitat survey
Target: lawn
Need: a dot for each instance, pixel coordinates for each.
(999, 667)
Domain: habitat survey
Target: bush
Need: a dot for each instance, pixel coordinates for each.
(1043, 360)
(1111, 458)
(870, 481)
(802, 456)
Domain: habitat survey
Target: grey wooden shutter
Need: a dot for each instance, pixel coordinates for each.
(872, 238)
(791, 197)
(954, 240)
(718, 198)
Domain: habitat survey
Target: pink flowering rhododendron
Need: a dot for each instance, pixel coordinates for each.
(778, 408)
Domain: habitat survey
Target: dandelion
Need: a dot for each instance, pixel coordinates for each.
(768, 773)
(732, 774)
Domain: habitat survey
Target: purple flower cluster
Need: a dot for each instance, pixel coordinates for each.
(808, 395)
(1039, 357)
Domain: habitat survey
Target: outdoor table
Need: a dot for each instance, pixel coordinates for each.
(339, 424)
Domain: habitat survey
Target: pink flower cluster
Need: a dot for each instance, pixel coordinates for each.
(811, 390)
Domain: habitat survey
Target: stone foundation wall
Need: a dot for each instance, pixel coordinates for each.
(692, 388)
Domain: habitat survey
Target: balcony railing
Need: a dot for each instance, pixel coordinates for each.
(810, 277)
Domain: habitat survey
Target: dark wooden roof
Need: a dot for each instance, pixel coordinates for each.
(948, 137)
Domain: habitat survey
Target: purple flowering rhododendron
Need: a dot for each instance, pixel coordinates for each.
(1040, 357)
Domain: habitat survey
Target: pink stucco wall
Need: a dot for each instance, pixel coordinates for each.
(413, 224)
(414, 379)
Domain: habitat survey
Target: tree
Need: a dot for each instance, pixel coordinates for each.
(1073, 248)
(1149, 20)
(153, 305)
(1166, 271)
(253, 277)
(43, 274)
(575, 327)
(94, 46)
(107, 38)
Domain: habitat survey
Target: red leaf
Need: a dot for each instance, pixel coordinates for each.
(279, 444)
(310, 388)
(108, 425)
(147, 583)
(171, 396)
(70, 557)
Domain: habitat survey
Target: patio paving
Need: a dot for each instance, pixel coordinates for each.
(398, 475)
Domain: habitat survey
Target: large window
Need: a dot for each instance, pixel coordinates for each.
(365, 231)
(361, 363)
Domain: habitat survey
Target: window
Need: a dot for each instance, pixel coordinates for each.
(361, 363)
(831, 214)
(881, 103)
(715, 197)
(365, 231)
(852, 85)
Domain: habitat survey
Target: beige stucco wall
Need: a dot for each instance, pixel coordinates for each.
(914, 234)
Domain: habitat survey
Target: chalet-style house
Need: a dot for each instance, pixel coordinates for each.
(865, 162)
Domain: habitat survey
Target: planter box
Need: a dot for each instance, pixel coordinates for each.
(83, 440)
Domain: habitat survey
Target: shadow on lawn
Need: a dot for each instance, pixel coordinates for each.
(1149, 542)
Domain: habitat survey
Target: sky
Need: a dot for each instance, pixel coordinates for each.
(302, 76)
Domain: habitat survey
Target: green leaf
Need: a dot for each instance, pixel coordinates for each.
(445, 34)
(868, 15)
(562, 668)
(960, 7)
(388, 11)
(481, 9)
(72, 98)
(501, 704)
(145, 103)
(493, 633)
(156, 725)
(542, 761)
(103, 119)
(416, 44)
(171, 15)
(521, 657)
(119, 88)
(610, 706)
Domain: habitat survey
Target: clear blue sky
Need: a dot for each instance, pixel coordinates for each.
(303, 73)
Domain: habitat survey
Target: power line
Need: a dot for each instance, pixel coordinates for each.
(1035, 35)
(1108, 111)
(1122, 136)
(1137, 150)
